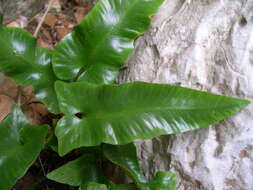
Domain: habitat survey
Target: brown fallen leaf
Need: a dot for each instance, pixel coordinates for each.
(79, 14)
(41, 43)
(71, 25)
(5, 106)
(47, 34)
(9, 88)
(61, 32)
(27, 94)
(50, 19)
(36, 113)
(20, 22)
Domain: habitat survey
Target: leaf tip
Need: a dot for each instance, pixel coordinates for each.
(51, 176)
(244, 103)
(61, 151)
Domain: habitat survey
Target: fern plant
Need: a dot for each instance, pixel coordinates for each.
(76, 80)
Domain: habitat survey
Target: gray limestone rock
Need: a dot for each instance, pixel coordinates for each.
(206, 45)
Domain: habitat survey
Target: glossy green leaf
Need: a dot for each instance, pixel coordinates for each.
(126, 157)
(20, 144)
(94, 186)
(123, 187)
(78, 172)
(120, 114)
(27, 64)
(102, 42)
(162, 181)
(95, 150)
(52, 143)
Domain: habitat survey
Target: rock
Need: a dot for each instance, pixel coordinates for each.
(206, 45)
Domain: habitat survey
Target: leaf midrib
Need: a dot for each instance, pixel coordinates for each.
(105, 114)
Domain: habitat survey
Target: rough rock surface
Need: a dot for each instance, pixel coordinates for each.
(207, 45)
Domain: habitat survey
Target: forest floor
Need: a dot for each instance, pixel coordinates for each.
(62, 16)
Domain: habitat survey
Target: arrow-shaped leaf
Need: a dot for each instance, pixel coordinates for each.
(162, 181)
(102, 42)
(27, 64)
(78, 172)
(126, 157)
(20, 144)
(123, 187)
(95, 186)
(120, 114)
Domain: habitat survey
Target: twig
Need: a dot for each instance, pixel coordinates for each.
(43, 170)
(34, 17)
(42, 19)
(19, 96)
